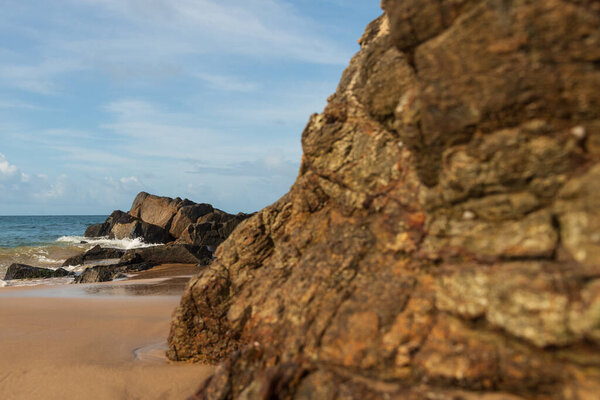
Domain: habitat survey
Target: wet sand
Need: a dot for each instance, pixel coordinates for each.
(63, 343)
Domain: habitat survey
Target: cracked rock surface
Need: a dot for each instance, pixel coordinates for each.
(442, 239)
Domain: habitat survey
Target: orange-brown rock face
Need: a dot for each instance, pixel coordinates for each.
(442, 239)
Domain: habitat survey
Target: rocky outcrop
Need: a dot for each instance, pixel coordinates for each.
(442, 238)
(163, 220)
(22, 271)
(121, 225)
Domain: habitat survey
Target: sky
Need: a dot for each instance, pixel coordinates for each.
(204, 99)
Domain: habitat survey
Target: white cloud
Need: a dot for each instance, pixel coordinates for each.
(55, 190)
(131, 181)
(7, 170)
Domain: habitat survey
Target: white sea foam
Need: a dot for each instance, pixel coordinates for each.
(43, 259)
(77, 269)
(34, 282)
(125, 244)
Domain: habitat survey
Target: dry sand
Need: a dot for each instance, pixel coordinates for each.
(53, 346)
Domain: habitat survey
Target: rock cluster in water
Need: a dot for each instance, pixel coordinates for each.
(158, 219)
(442, 239)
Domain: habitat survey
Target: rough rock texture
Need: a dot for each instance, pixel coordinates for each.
(22, 271)
(442, 240)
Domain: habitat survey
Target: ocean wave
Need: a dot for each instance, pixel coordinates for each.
(124, 244)
(2, 283)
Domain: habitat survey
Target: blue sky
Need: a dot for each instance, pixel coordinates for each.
(204, 99)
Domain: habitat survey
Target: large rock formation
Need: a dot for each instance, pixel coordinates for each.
(442, 239)
(157, 219)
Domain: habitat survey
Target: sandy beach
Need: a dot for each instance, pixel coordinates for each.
(103, 341)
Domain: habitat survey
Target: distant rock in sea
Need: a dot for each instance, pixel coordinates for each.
(158, 220)
(182, 231)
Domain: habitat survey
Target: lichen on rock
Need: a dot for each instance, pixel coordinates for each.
(442, 239)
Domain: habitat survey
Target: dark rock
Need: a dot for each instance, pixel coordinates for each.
(212, 229)
(188, 215)
(131, 228)
(167, 254)
(106, 273)
(442, 239)
(97, 230)
(157, 210)
(95, 253)
(105, 228)
(22, 271)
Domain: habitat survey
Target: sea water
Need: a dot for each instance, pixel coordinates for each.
(47, 241)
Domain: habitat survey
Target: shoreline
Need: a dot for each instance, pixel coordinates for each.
(67, 345)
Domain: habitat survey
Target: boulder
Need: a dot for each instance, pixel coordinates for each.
(441, 240)
(105, 228)
(22, 271)
(128, 227)
(170, 253)
(96, 230)
(188, 215)
(95, 253)
(157, 210)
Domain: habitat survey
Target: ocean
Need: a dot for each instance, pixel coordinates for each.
(47, 241)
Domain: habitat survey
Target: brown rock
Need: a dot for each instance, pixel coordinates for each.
(129, 227)
(188, 215)
(440, 239)
(156, 210)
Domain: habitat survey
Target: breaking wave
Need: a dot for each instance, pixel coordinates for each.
(124, 244)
